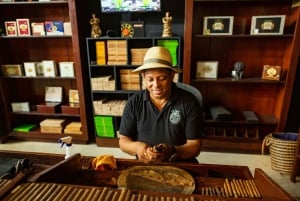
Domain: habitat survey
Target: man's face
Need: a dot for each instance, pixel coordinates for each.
(158, 82)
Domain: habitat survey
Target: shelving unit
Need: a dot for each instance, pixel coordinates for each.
(269, 99)
(97, 70)
(20, 49)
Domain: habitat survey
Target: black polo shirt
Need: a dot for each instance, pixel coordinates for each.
(179, 120)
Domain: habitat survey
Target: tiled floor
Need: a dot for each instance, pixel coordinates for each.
(251, 160)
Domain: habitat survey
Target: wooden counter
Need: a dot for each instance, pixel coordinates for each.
(73, 175)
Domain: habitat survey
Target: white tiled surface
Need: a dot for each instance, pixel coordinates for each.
(251, 160)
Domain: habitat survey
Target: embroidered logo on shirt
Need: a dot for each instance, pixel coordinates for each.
(174, 116)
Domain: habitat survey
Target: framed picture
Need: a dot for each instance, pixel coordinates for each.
(207, 69)
(267, 25)
(218, 25)
(23, 27)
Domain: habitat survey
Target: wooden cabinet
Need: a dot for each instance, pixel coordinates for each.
(59, 48)
(111, 78)
(268, 99)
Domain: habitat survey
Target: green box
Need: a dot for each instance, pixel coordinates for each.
(104, 126)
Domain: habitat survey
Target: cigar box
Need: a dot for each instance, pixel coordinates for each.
(66, 69)
(12, 70)
(38, 28)
(11, 28)
(71, 108)
(23, 27)
(271, 72)
(20, 107)
(52, 125)
(49, 107)
(54, 28)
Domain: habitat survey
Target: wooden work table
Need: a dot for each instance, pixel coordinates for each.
(74, 173)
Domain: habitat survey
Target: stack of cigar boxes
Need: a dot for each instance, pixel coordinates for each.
(116, 52)
(103, 83)
(129, 80)
(52, 125)
(137, 55)
(73, 128)
(109, 107)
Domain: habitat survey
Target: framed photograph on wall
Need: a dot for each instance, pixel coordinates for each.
(207, 69)
(218, 25)
(267, 25)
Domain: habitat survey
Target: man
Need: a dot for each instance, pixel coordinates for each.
(162, 122)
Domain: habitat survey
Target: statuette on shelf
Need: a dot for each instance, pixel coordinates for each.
(238, 69)
(167, 31)
(95, 29)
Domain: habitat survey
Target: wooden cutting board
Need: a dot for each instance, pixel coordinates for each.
(157, 178)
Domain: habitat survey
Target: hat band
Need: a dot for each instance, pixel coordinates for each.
(158, 61)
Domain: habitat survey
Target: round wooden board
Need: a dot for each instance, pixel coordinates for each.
(157, 178)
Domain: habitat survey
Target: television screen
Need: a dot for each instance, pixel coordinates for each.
(110, 6)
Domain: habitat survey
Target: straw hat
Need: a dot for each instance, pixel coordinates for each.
(157, 57)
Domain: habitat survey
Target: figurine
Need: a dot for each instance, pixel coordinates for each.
(94, 22)
(238, 69)
(167, 32)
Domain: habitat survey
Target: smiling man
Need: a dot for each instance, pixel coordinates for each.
(161, 122)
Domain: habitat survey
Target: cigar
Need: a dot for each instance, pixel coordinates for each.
(249, 189)
(109, 195)
(151, 198)
(139, 197)
(128, 195)
(104, 191)
(27, 188)
(115, 196)
(72, 194)
(134, 197)
(255, 188)
(233, 189)
(217, 191)
(33, 191)
(16, 191)
(90, 195)
(77, 194)
(82, 198)
(96, 195)
(226, 190)
(222, 192)
(238, 189)
(44, 187)
(145, 197)
(66, 193)
(228, 187)
(243, 187)
(123, 194)
(60, 193)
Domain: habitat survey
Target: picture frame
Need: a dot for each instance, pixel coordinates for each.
(267, 25)
(207, 69)
(218, 25)
(23, 27)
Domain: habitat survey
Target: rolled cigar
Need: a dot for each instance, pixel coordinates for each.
(16, 191)
(103, 193)
(60, 193)
(139, 197)
(255, 188)
(84, 195)
(44, 188)
(128, 195)
(226, 190)
(78, 193)
(223, 192)
(66, 193)
(134, 197)
(96, 195)
(243, 187)
(109, 195)
(202, 190)
(27, 188)
(49, 191)
(233, 189)
(145, 197)
(54, 192)
(90, 195)
(72, 194)
(151, 198)
(217, 191)
(115, 196)
(251, 194)
(192, 198)
(238, 189)
(33, 190)
(36, 192)
(206, 191)
(162, 198)
(228, 187)
(123, 194)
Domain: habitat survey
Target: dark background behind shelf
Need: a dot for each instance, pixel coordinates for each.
(153, 27)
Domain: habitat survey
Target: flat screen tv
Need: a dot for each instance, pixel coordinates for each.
(130, 6)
